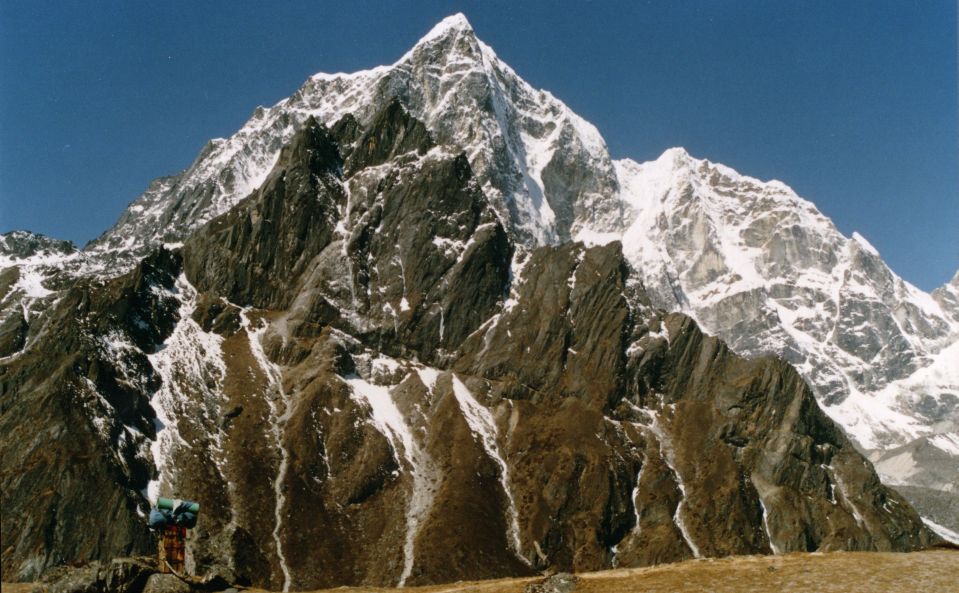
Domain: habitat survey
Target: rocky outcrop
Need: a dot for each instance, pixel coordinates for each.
(251, 254)
(557, 583)
(121, 575)
(139, 574)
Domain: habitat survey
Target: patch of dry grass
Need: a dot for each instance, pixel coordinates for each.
(849, 572)
(837, 572)
(935, 570)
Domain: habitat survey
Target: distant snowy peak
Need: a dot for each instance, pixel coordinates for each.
(947, 296)
(27, 262)
(523, 143)
(22, 245)
(765, 270)
(726, 229)
(455, 22)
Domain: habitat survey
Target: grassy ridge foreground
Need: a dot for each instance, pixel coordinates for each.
(935, 570)
(840, 572)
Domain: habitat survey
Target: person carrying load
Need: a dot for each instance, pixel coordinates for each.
(171, 518)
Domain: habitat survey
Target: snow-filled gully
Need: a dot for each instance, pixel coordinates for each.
(666, 453)
(280, 419)
(191, 355)
(388, 419)
(481, 422)
(411, 457)
(772, 544)
(850, 503)
(635, 494)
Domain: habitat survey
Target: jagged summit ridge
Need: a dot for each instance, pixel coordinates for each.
(522, 143)
(453, 25)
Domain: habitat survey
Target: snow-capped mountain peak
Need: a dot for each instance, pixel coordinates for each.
(450, 27)
(532, 153)
(750, 260)
(456, 21)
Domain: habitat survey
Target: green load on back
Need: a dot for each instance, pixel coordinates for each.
(169, 504)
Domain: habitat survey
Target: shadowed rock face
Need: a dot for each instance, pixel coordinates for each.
(251, 254)
(361, 384)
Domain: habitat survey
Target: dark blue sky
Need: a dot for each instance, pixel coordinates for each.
(853, 104)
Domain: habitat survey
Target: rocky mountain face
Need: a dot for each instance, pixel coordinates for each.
(360, 333)
(364, 381)
(751, 261)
